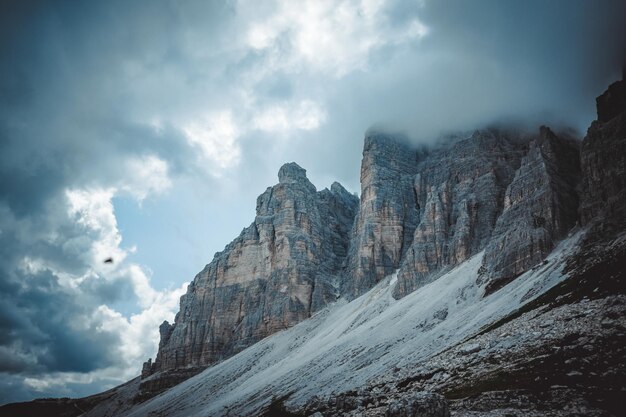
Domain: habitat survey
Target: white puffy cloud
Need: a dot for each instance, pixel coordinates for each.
(92, 210)
(331, 37)
(215, 135)
(146, 175)
(138, 337)
(284, 118)
(140, 332)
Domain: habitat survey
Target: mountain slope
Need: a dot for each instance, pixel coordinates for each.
(346, 345)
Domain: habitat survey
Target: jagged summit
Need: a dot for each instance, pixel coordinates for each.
(291, 172)
(539, 209)
(279, 271)
(339, 189)
(603, 158)
(423, 211)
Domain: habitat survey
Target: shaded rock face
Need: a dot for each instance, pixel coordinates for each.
(540, 207)
(387, 215)
(459, 192)
(613, 101)
(603, 160)
(423, 212)
(280, 270)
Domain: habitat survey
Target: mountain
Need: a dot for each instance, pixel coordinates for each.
(482, 275)
(277, 272)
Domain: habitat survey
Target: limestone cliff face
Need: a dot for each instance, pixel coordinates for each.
(387, 215)
(280, 269)
(540, 207)
(510, 192)
(603, 159)
(459, 192)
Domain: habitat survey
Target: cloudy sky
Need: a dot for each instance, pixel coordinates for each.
(143, 131)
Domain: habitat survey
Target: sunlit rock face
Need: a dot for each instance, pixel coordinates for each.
(540, 207)
(387, 214)
(280, 270)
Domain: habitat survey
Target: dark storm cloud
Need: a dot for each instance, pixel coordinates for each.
(528, 63)
(66, 102)
(67, 121)
(565, 52)
(61, 128)
(41, 324)
(535, 61)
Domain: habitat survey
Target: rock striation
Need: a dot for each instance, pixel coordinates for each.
(459, 192)
(280, 270)
(422, 212)
(387, 215)
(540, 207)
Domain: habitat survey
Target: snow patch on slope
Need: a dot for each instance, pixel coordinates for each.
(343, 346)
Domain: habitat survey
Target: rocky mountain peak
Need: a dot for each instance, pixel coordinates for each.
(292, 172)
(459, 192)
(276, 273)
(338, 188)
(449, 228)
(540, 207)
(545, 133)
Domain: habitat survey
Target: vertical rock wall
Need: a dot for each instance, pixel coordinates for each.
(383, 229)
(603, 159)
(280, 270)
(540, 207)
(459, 192)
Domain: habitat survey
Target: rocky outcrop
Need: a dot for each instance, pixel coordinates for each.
(424, 211)
(603, 160)
(540, 207)
(280, 270)
(459, 192)
(387, 215)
